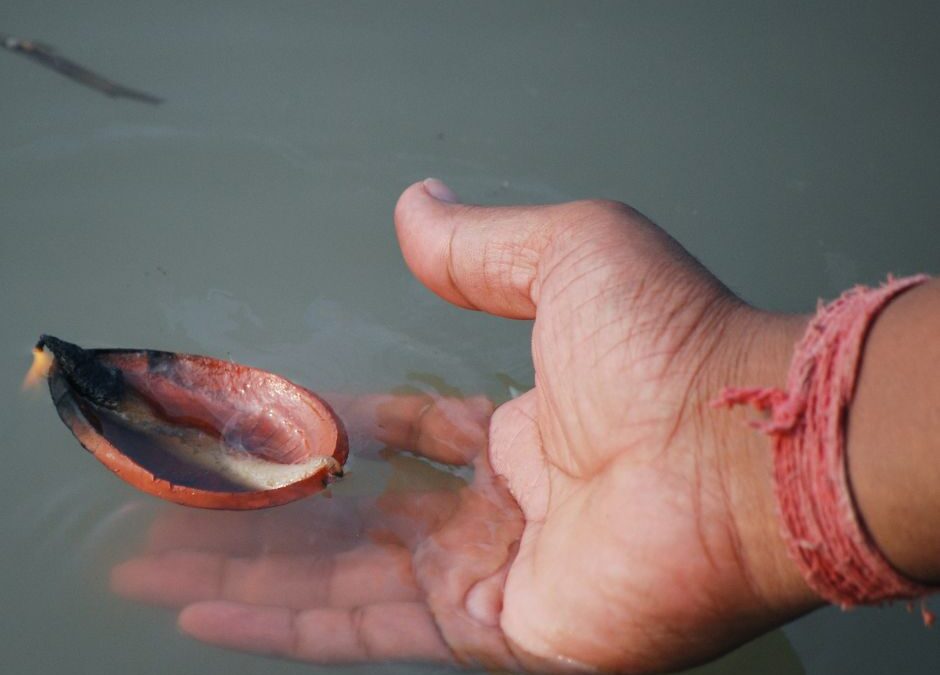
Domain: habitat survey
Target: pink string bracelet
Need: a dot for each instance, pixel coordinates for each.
(824, 532)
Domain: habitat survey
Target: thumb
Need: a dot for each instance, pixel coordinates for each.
(484, 258)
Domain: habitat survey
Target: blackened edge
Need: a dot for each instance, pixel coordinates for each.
(90, 378)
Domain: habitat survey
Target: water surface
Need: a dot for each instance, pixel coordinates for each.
(794, 149)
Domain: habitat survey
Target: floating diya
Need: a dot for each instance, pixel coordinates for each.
(192, 429)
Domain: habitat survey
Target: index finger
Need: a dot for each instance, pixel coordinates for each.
(441, 428)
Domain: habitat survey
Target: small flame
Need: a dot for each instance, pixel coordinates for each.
(42, 362)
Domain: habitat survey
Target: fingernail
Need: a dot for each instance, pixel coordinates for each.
(440, 191)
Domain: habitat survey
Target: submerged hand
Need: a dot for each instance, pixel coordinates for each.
(415, 574)
(613, 520)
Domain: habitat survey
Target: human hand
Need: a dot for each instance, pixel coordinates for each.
(640, 534)
(651, 539)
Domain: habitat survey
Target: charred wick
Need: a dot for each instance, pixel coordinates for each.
(89, 378)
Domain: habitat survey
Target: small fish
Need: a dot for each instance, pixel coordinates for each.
(47, 56)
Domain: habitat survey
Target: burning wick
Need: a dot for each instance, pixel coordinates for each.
(42, 362)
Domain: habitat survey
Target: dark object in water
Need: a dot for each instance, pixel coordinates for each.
(196, 430)
(47, 56)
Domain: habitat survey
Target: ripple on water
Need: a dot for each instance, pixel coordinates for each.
(76, 529)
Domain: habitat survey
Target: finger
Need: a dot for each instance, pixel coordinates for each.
(365, 575)
(445, 429)
(382, 632)
(181, 528)
(476, 257)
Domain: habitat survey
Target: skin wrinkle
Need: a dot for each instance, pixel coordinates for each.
(485, 268)
(564, 291)
(514, 261)
(736, 373)
(572, 259)
(683, 407)
(664, 289)
(584, 424)
(492, 266)
(633, 333)
(573, 486)
(559, 245)
(564, 433)
(503, 266)
(512, 441)
(696, 326)
(564, 260)
(663, 326)
(638, 330)
(521, 272)
(602, 466)
(451, 272)
(547, 466)
(533, 292)
(700, 519)
(698, 516)
(734, 532)
(615, 319)
(544, 474)
(541, 401)
(606, 290)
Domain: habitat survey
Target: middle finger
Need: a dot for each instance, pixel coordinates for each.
(367, 574)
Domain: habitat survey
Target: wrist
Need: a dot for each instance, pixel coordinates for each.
(759, 349)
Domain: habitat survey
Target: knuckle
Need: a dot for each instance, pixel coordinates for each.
(608, 209)
(596, 220)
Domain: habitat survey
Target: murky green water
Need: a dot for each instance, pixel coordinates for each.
(793, 148)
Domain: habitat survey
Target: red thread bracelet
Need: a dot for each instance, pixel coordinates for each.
(823, 530)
